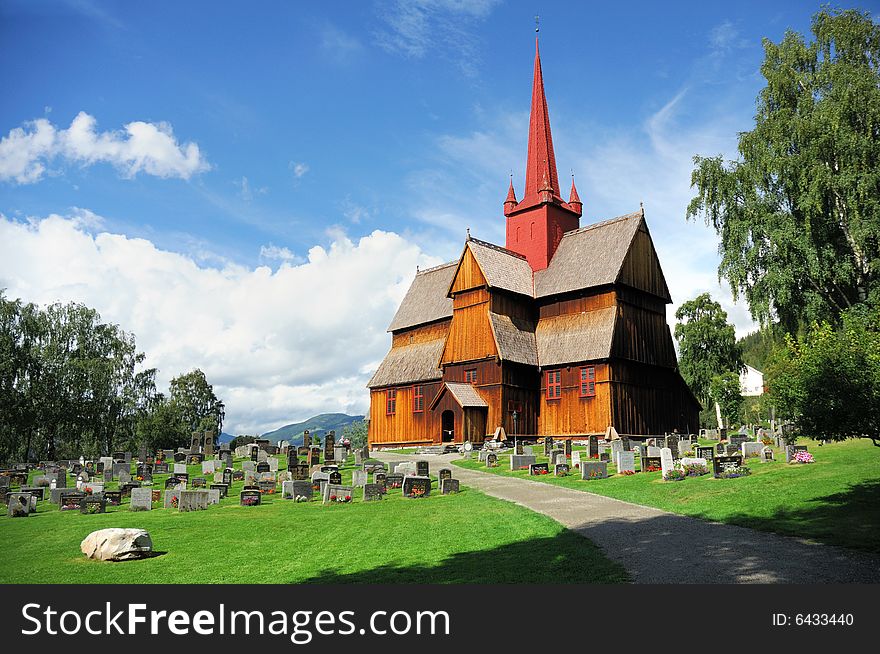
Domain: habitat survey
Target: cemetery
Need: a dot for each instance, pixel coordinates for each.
(369, 522)
(824, 492)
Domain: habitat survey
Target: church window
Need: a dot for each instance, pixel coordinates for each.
(390, 401)
(418, 399)
(588, 381)
(554, 384)
(470, 376)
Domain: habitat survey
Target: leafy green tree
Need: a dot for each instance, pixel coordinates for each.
(356, 432)
(724, 389)
(194, 399)
(798, 212)
(706, 344)
(829, 381)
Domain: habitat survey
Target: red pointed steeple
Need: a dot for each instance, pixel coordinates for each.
(541, 161)
(574, 199)
(537, 223)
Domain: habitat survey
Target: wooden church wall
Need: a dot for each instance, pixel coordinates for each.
(589, 301)
(650, 400)
(421, 334)
(405, 426)
(641, 268)
(468, 275)
(642, 335)
(571, 413)
(470, 335)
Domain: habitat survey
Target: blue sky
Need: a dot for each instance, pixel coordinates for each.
(250, 189)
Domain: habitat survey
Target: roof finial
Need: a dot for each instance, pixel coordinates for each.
(417, 269)
(537, 23)
(642, 207)
(469, 233)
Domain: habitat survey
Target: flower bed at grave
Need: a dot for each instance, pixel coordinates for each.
(300, 498)
(674, 475)
(653, 469)
(695, 470)
(627, 472)
(87, 490)
(733, 473)
(803, 457)
(347, 498)
(175, 501)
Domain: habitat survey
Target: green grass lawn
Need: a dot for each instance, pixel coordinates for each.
(464, 538)
(834, 500)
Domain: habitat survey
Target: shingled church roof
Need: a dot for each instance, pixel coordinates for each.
(575, 337)
(588, 257)
(426, 300)
(410, 363)
(502, 268)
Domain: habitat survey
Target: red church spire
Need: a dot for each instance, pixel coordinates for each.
(574, 199)
(510, 201)
(541, 162)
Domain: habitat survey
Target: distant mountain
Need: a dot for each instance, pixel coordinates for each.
(319, 425)
(224, 437)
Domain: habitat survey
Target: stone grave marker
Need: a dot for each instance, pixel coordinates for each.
(449, 485)
(593, 447)
(422, 468)
(704, 451)
(394, 481)
(18, 505)
(330, 468)
(335, 477)
(751, 448)
(519, 448)
(250, 498)
(766, 454)
(416, 486)
(171, 499)
(576, 459)
(337, 494)
(141, 499)
(522, 462)
(263, 466)
(666, 461)
(372, 492)
(222, 488)
(114, 498)
(445, 473)
(548, 445)
(616, 449)
(792, 450)
(560, 469)
(492, 460)
(651, 464)
(90, 505)
(302, 491)
(69, 500)
(722, 464)
(539, 469)
(567, 447)
(193, 500)
(594, 470)
(195, 459)
(273, 464)
(358, 478)
(626, 461)
(213, 496)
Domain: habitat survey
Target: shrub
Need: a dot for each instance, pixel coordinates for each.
(695, 470)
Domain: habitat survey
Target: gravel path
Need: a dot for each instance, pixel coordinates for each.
(656, 546)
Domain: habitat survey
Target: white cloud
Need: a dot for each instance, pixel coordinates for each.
(338, 45)
(274, 253)
(416, 27)
(246, 192)
(277, 344)
(298, 168)
(140, 147)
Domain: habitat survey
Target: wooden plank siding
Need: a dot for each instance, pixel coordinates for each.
(651, 400)
(641, 267)
(468, 275)
(571, 413)
(642, 335)
(421, 334)
(405, 426)
(579, 304)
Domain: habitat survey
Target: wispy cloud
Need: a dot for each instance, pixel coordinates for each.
(339, 46)
(298, 168)
(414, 28)
(246, 191)
(140, 147)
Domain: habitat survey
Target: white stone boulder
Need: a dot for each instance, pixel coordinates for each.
(116, 544)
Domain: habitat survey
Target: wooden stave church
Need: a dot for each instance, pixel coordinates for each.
(540, 337)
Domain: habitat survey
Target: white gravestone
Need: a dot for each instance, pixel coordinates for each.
(626, 460)
(665, 460)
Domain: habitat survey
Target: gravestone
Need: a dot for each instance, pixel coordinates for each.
(199, 482)
(560, 469)
(335, 477)
(416, 486)
(672, 445)
(171, 499)
(108, 475)
(448, 486)
(330, 446)
(179, 468)
(238, 475)
(567, 447)
(227, 476)
(521, 462)
(195, 459)
(626, 461)
(593, 448)
(70, 500)
(221, 488)
(651, 464)
(119, 468)
(666, 461)
(519, 448)
(683, 447)
(704, 451)
(141, 499)
(751, 448)
(605, 456)
(422, 468)
(539, 469)
(18, 505)
(90, 505)
(616, 449)
(160, 468)
(273, 464)
(594, 470)
(445, 473)
(114, 498)
(300, 472)
(394, 481)
(358, 478)
(766, 454)
(576, 460)
(339, 454)
(250, 498)
(208, 467)
(213, 496)
(372, 492)
(405, 468)
(722, 464)
(337, 493)
(315, 456)
(302, 491)
(792, 450)
(492, 460)
(248, 466)
(548, 445)
(171, 482)
(262, 467)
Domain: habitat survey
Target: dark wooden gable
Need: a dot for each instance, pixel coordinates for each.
(641, 266)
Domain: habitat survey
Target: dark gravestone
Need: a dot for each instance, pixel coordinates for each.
(332, 468)
(335, 477)
(262, 467)
(561, 469)
(125, 489)
(394, 481)
(195, 459)
(445, 473)
(254, 454)
(548, 445)
(302, 489)
(491, 460)
(792, 450)
(228, 474)
(70, 501)
(179, 457)
(329, 446)
(36, 491)
(199, 482)
(519, 448)
(114, 498)
(593, 448)
(223, 488)
(302, 450)
(651, 464)
(372, 492)
(539, 468)
(92, 505)
(722, 464)
(594, 470)
(448, 486)
(266, 486)
(416, 486)
(704, 452)
(171, 482)
(422, 468)
(314, 456)
(568, 447)
(380, 479)
(238, 475)
(250, 498)
(300, 472)
(119, 456)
